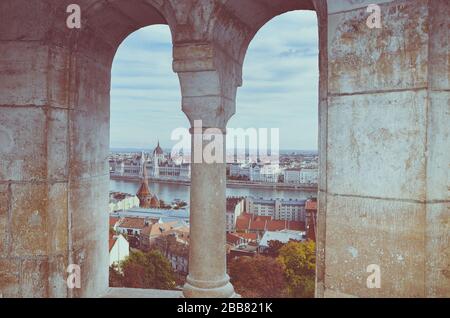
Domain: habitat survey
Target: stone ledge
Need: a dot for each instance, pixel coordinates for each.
(141, 293)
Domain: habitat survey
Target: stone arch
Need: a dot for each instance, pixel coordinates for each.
(234, 26)
(253, 15)
(92, 51)
(208, 89)
(64, 92)
(105, 24)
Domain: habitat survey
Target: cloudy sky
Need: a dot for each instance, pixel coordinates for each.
(280, 86)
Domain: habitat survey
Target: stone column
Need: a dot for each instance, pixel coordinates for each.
(206, 98)
(207, 256)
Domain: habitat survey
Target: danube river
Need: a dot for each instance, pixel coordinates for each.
(169, 192)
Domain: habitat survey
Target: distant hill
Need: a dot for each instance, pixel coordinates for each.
(300, 152)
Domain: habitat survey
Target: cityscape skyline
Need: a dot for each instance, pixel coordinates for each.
(149, 149)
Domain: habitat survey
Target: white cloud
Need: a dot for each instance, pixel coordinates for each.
(280, 85)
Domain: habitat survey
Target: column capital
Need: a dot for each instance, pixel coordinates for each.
(213, 110)
(209, 79)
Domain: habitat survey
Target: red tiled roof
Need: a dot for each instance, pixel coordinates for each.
(311, 205)
(143, 190)
(263, 223)
(132, 223)
(146, 230)
(258, 225)
(248, 236)
(297, 226)
(112, 240)
(232, 202)
(278, 225)
(113, 221)
(242, 222)
(232, 238)
(159, 229)
(262, 218)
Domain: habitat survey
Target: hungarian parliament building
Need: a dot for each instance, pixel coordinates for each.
(159, 166)
(165, 167)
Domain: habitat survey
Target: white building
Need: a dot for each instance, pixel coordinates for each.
(292, 175)
(235, 169)
(239, 170)
(277, 209)
(235, 207)
(119, 249)
(309, 175)
(264, 172)
(166, 215)
(119, 201)
(171, 170)
(301, 175)
(158, 166)
(256, 172)
(130, 168)
(283, 236)
(132, 226)
(178, 257)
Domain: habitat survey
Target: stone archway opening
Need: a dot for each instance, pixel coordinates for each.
(281, 79)
(280, 90)
(106, 26)
(145, 112)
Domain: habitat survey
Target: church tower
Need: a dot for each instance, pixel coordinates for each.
(158, 158)
(144, 194)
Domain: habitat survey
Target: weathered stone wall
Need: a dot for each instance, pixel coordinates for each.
(54, 143)
(437, 240)
(384, 113)
(386, 195)
(34, 154)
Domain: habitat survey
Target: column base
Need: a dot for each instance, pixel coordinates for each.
(209, 289)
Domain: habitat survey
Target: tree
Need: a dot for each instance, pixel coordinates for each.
(299, 261)
(165, 243)
(258, 277)
(148, 270)
(274, 248)
(115, 278)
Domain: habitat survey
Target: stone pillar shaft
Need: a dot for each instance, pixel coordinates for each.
(207, 258)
